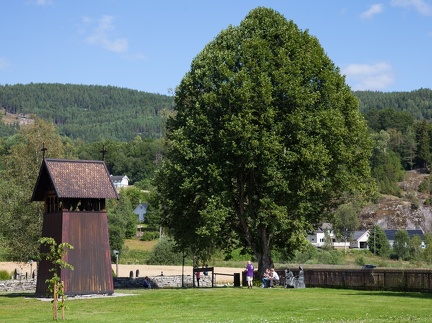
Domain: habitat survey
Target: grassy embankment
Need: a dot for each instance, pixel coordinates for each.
(137, 252)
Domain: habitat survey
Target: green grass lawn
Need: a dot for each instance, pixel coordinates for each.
(229, 305)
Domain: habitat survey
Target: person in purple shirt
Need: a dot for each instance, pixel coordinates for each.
(249, 273)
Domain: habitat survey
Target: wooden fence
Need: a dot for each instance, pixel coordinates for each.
(370, 279)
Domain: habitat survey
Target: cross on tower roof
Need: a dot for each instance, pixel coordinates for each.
(43, 150)
(103, 151)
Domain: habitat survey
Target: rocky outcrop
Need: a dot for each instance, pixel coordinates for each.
(406, 212)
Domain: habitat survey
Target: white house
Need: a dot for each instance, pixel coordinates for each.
(120, 181)
(359, 239)
(141, 211)
(317, 238)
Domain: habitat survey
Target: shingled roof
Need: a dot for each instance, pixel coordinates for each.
(74, 179)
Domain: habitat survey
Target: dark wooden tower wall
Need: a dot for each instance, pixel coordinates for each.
(74, 193)
(51, 227)
(94, 275)
(90, 257)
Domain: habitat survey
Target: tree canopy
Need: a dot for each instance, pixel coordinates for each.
(346, 219)
(378, 242)
(401, 245)
(21, 220)
(265, 139)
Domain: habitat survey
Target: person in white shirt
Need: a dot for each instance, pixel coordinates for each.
(274, 276)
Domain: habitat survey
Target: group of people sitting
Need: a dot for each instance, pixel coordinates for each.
(269, 278)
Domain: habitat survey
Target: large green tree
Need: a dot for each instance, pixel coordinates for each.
(386, 165)
(415, 248)
(423, 129)
(347, 219)
(20, 219)
(378, 242)
(265, 138)
(122, 222)
(428, 249)
(401, 245)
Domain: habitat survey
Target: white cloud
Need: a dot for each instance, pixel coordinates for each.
(101, 35)
(372, 11)
(372, 77)
(420, 5)
(3, 63)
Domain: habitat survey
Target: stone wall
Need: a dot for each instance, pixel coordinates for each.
(160, 282)
(16, 285)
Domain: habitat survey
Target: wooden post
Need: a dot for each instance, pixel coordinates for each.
(55, 301)
(63, 307)
(62, 300)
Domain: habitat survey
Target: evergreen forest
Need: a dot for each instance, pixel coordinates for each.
(91, 113)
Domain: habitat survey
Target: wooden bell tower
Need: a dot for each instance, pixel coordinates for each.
(74, 193)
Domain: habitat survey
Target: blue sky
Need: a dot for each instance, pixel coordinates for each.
(149, 45)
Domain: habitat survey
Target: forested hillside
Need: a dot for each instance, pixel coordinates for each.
(88, 112)
(417, 103)
(95, 113)
(103, 115)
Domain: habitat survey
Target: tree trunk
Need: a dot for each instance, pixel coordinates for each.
(264, 262)
(55, 301)
(262, 253)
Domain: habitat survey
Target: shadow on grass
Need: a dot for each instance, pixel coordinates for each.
(18, 294)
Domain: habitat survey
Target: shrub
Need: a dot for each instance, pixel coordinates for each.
(426, 185)
(415, 201)
(4, 275)
(149, 235)
(308, 253)
(360, 261)
(332, 257)
(163, 253)
(394, 256)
